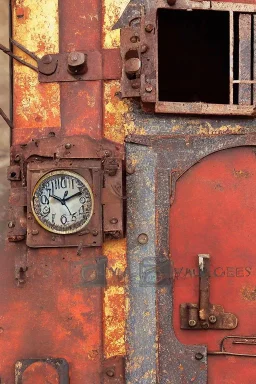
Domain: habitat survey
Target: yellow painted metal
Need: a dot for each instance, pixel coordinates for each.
(113, 9)
(36, 26)
(114, 298)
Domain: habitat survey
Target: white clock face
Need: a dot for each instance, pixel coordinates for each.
(62, 202)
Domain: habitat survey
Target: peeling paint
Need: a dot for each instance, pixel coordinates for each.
(37, 28)
(118, 117)
(114, 299)
(113, 9)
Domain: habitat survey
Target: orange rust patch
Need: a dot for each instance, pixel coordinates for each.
(114, 299)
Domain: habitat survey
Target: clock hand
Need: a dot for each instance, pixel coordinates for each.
(71, 197)
(57, 198)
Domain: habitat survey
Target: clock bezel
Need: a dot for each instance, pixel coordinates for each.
(72, 174)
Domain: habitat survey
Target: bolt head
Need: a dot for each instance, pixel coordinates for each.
(11, 224)
(95, 232)
(135, 84)
(199, 356)
(171, 2)
(149, 28)
(143, 238)
(192, 323)
(17, 159)
(205, 325)
(35, 232)
(68, 146)
(47, 59)
(130, 168)
(134, 39)
(132, 65)
(114, 220)
(107, 153)
(149, 88)
(212, 319)
(110, 372)
(144, 48)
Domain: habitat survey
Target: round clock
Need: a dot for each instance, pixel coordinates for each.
(62, 202)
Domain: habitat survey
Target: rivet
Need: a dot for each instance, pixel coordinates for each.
(107, 153)
(149, 88)
(143, 238)
(144, 48)
(17, 159)
(134, 39)
(199, 356)
(110, 372)
(192, 323)
(212, 319)
(130, 168)
(95, 232)
(171, 2)
(68, 146)
(11, 224)
(149, 28)
(114, 220)
(47, 59)
(35, 232)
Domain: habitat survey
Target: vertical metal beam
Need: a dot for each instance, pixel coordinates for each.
(245, 90)
(231, 57)
(254, 58)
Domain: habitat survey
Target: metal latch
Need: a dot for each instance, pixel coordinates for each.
(71, 66)
(205, 315)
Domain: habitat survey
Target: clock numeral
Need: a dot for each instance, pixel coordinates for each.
(57, 183)
(64, 219)
(44, 199)
(63, 182)
(74, 216)
(71, 183)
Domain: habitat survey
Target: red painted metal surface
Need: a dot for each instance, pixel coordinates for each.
(214, 213)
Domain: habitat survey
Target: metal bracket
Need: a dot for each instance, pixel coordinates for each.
(205, 315)
(100, 161)
(72, 66)
(236, 340)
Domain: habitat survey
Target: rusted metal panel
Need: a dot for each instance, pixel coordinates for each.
(178, 155)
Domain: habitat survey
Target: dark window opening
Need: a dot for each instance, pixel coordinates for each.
(193, 49)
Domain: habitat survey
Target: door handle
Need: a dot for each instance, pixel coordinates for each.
(205, 315)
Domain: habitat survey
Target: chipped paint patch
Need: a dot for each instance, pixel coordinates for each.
(225, 129)
(113, 10)
(118, 114)
(249, 293)
(37, 28)
(114, 298)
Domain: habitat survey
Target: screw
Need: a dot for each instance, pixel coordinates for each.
(107, 153)
(35, 232)
(47, 59)
(29, 217)
(114, 220)
(171, 2)
(143, 238)
(11, 224)
(130, 168)
(199, 356)
(68, 146)
(149, 88)
(134, 39)
(95, 232)
(192, 323)
(17, 159)
(110, 372)
(144, 48)
(149, 28)
(212, 319)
